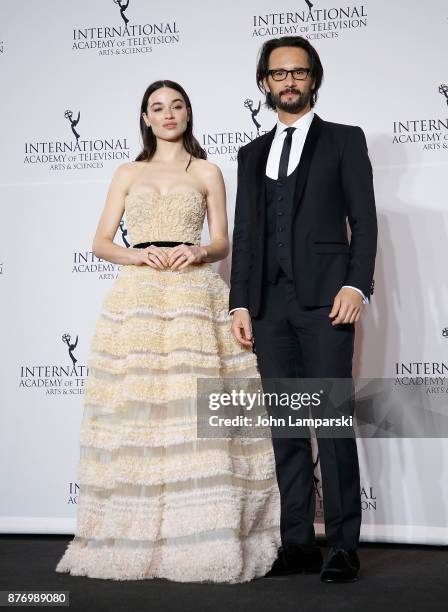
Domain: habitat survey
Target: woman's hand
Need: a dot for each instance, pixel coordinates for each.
(183, 255)
(152, 256)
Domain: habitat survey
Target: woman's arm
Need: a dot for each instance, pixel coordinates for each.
(218, 248)
(103, 245)
(181, 256)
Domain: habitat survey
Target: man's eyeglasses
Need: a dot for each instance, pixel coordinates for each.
(280, 74)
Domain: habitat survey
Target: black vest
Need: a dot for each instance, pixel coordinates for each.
(279, 207)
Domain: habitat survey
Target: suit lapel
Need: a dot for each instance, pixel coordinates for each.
(303, 170)
(260, 172)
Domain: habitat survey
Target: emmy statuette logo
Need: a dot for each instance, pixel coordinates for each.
(73, 122)
(71, 346)
(443, 89)
(248, 103)
(123, 8)
(124, 233)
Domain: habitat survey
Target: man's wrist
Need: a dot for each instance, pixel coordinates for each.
(365, 299)
(238, 308)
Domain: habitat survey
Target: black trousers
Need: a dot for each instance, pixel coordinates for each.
(292, 341)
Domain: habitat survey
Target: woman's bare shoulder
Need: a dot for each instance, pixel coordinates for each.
(207, 168)
(129, 168)
(125, 173)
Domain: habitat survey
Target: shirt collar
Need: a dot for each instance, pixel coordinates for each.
(303, 123)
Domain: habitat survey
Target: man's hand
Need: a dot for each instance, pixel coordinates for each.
(347, 306)
(242, 327)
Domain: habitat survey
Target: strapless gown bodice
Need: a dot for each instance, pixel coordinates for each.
(177, 216)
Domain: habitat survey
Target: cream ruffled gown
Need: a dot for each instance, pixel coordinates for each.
(155, 500)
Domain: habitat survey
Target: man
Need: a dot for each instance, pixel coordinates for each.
(299, 285)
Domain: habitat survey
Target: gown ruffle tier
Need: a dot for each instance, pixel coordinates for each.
(156, 500)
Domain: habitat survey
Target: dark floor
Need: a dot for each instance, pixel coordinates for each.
(392, 577)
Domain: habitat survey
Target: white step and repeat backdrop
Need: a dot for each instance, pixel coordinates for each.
(72, 71)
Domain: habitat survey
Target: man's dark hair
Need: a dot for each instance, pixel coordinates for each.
(317, 71)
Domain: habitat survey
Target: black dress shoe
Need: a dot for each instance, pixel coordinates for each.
(341, 566)
(296, 559)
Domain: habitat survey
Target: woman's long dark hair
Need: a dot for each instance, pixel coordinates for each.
(150, 141)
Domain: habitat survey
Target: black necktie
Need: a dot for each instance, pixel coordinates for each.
(284, 157)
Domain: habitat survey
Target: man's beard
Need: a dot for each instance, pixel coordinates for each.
(292, 106)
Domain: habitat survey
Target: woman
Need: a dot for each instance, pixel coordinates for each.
(155, 500)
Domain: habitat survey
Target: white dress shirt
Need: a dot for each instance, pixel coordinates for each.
(298, 138)
(302, 126)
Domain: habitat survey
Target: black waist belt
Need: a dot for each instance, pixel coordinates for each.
(159, 243)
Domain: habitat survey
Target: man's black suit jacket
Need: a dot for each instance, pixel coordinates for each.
(334, 184)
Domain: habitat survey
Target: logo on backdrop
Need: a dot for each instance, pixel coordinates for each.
(125, 37)
(312, 22)
(123, 8)
(71, 346)
(443, 89)
(2, 47)
(64, 378)
(430, 375)
(73, 492)
(225, 145)
(77, 153)
(73, 122)
(445, 332)
(428, 134)
(317, 486)
(86, 262)
(253, 113)
(124, 234)
(368, 497)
